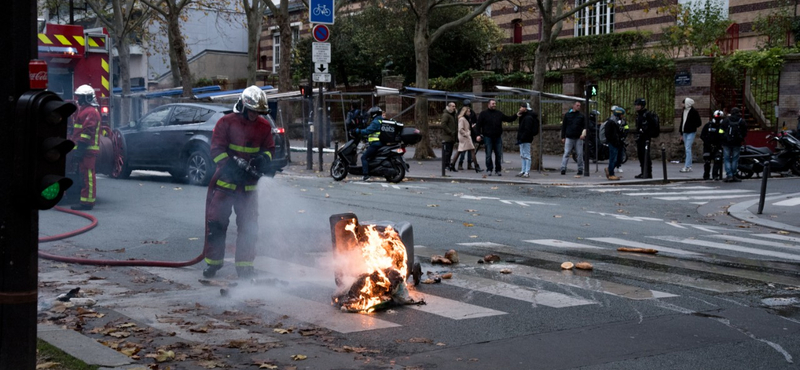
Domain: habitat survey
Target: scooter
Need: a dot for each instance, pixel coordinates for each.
(753, 159)
(388, 161)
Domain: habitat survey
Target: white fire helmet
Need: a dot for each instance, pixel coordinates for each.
(252, 98)
(84, 94)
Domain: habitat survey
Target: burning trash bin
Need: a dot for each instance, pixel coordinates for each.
(371, 263)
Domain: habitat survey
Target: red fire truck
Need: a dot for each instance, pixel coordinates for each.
(75, 57)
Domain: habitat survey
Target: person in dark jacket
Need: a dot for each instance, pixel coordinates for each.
(449, 134)
(572, 136)
(690, 122)
(614, 131)
(372, 132)
(734, 130)
(528, 128)
(490, 127)
(472, 118)
(644, 128)
(712, 147)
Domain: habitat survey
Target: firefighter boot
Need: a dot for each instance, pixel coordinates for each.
(211, 270)
(245, 272)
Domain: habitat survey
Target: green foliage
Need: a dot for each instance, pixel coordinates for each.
(776, 26)
(46, 352)
(729, 68)
(615, 64)
(203, 81)
(699, 25)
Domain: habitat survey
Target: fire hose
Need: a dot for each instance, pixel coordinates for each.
(85, 261)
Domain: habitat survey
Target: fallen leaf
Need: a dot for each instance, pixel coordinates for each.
(202, 329)
(211, 364)
(433, 205)
(783, 232)
(120, 334)
(473, 236)
(47, 365)
(177, 188)
(471, 210)
(440, 344)
(126, 325)
(467, 224)
(505, 271)
(299, 357)
(557, 216)
(130, 351)
(420, 340)
(281, 331)
(266, 366)
(161, 355)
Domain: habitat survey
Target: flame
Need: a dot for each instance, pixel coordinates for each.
(384, 260)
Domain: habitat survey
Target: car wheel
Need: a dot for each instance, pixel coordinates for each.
(338, 172)
(199, 168)
(120, 168)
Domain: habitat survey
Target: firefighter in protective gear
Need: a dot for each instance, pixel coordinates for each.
(246, 135)
(86, 136)
(373, 132)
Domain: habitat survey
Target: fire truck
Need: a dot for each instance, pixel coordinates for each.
(76, 56)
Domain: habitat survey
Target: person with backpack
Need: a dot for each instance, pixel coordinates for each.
(612, 132)
(572, 134)
(734, 130)
(690, 122)
(647, 128)
(372, 132)
(528, 128)
(711, 134)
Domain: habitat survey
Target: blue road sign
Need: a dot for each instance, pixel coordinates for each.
(320, 11)
(321, 33)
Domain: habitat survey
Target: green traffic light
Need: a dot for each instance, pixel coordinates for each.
(594, 90)
(52, 191)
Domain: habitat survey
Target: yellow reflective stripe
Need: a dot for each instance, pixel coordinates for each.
(244, 263)
(85, 136)
(371, 139)
(243, 149)
(77, 126)
(63, 40)
(269, 154)
(45, 39)
(214, 262)
(93, 147)
(80, 40)
(226, 185)
(220, 157)
(250, 187)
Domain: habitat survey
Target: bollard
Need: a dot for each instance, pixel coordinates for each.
(444, 160)
(310, 150)
(764, 177)
(647, 162)
(664, 162)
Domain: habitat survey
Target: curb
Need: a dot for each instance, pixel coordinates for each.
(81, 347)
(740, 211)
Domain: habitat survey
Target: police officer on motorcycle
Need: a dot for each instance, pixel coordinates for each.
(372, 132)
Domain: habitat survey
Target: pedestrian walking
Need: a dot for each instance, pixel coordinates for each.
(86, 136)
(490, 127)
(711, 134)
(528, 128)
(465, 140)
(647, 127)
(690, 122)
(614, 132)
(472, 118)
(244, 135)
(449, 133)
(573, 132)
(734, 130)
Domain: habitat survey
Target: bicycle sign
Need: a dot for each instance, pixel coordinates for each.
(321, 11)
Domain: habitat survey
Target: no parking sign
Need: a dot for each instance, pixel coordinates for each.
(321, 33)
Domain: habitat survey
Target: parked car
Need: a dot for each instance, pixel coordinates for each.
(177, 138)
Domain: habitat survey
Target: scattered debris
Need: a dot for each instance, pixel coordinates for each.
(299, 357)
(583, 266)
(440, 260)
(491, 258)
(505, 271)
(448, 275)
(452, 255)
(637, 250)
(218, 283)
(68, 295)
(567, 266)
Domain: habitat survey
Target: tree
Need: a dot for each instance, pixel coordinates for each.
(170, 12)
(254, 13)
(699, 25)
(281, 14)
(423, 38)
(123, 19)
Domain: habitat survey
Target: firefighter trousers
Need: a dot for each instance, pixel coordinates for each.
(219, 204)
(88, 177)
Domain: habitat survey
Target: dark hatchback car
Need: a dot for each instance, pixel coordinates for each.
(177, 138)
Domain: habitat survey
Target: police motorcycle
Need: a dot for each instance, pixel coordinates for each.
(388, 161)
(753, 159)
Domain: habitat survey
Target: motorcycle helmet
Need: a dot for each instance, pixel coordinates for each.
(718, 114)
(640, 101)
(618, 111)
(252, 98)
(375, 111)
(84, 94)
(594, 114)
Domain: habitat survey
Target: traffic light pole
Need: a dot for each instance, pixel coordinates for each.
(19, 222)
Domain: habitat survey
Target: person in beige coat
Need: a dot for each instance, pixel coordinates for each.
(465, 138)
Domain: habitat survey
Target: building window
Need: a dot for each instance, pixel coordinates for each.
(276, 52)
(597, 19)
(517, 39)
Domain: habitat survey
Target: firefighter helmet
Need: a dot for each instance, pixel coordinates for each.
(252, 98)
(84, 94)
(375, 111)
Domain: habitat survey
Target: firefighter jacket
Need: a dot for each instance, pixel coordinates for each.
(373, 131)
(235, 135)
(86, 128)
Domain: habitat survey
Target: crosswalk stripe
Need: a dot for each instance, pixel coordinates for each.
(779, 237)
(633, 244)
(570, 279)
(499, 288)
(449, 308)
(612, 189)
(757, 242)
(788, 202)
(699, 197)
(730, 247)
(560, 244)
(695, 192)
(649, 274)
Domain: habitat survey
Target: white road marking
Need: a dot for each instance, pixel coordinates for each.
(649, 188)
(560, 244)
(757, 242)
(452, 309)
(729, 247)
(633, 244)
(624, 217)
(535, 296)
(779, 237)
(695, 192)
(788, 202)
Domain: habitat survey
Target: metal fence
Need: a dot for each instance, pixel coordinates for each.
(659, 91)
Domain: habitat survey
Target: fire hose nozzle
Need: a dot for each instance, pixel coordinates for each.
(245, 165)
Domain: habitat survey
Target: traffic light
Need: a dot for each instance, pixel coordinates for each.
(591, 91)
(46, 114)
(306, 91)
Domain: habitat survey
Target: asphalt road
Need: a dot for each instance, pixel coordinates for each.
(719, 294)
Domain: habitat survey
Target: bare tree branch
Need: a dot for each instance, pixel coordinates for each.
(447, 26)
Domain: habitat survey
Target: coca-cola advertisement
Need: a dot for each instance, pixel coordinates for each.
(37, 74)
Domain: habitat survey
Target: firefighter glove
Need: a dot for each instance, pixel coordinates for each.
(261, 163)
